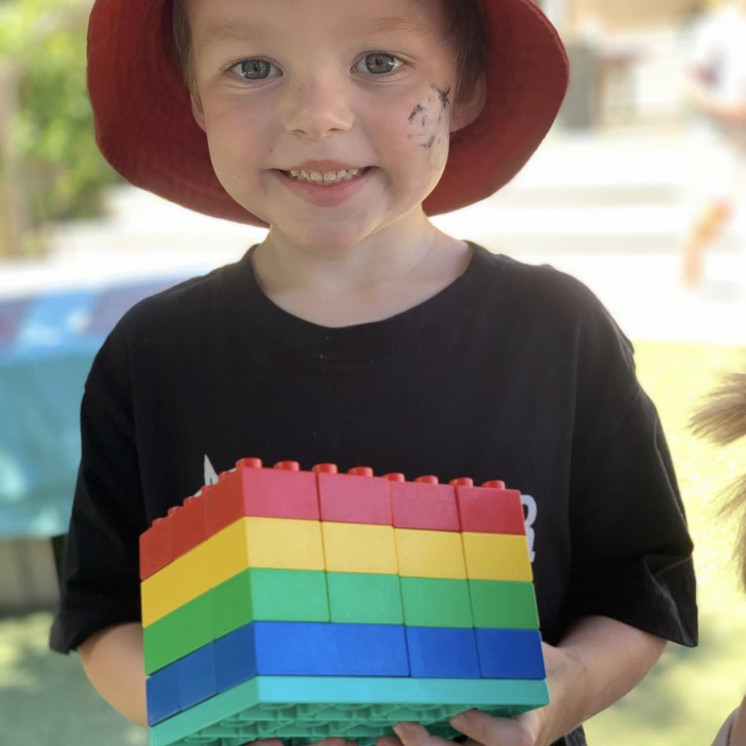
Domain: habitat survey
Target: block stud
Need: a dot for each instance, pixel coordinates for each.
(248, 463)
(361, 471)
(288, 466)
(325, 469)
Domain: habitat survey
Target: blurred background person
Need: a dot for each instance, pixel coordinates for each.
(716, 90)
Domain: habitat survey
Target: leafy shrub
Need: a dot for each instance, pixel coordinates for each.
(43, 43)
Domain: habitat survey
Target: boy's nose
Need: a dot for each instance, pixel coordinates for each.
(317, 107)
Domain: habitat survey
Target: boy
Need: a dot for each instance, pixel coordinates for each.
(357, 332)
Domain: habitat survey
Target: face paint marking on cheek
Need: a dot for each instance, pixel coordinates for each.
(443, 96)
(429, 117)
(420, 112)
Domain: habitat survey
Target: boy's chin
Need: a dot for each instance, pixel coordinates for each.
(325, 239)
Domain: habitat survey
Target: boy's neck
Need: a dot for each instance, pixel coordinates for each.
(342, 286)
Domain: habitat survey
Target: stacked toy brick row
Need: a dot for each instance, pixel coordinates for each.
(283, 572)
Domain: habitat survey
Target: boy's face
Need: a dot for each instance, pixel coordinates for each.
(354, 93)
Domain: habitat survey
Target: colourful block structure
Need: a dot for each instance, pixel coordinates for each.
(281, 603)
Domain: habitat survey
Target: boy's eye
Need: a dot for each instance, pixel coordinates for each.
(378, 63)
(254, 69)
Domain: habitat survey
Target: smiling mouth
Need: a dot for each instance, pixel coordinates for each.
(324, 178)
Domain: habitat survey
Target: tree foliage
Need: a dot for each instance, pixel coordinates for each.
(43, 42)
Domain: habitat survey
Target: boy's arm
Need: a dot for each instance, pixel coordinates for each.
(698, 96)
(113, 660)
(595, 664)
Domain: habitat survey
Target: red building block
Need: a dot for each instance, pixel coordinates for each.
(423, 504)
(355, 497)
(489, 509)
(156, 550)
(251, 490)
(187, 525)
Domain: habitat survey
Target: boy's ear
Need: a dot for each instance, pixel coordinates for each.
(197, 113)
(463, 113)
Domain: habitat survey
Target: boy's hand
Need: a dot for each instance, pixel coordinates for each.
(480, 728)
(534, 728)
(325, 742)
(597, 662)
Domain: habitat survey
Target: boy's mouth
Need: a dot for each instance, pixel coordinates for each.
(322, 178)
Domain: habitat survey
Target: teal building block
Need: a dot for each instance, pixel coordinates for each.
(266, 594)
(364, 598)
(503, 604)
(301, 710)
(436, 602)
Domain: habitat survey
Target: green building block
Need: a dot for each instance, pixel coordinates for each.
(503, 604)
(300, 710)
(264, 594)
(177, 634)
(255, 594)
(364, 598)
(436, 602)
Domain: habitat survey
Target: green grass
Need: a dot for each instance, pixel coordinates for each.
(687, 696)
(45, 699)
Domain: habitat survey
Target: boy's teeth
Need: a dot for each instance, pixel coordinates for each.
(326, 177)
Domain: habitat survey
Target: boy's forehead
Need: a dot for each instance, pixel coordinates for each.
(219, 19)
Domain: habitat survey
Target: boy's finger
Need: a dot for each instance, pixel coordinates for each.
(414, 734)
(475, 724)
(388, 741)
(491, 731)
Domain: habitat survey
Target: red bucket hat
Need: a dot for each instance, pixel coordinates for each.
(145, 127)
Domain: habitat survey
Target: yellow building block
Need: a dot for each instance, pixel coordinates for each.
(496, 557)
(429, 554)
(359, 547)
(176, 584)
(280, 543)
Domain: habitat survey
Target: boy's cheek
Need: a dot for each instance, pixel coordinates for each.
(429, 124)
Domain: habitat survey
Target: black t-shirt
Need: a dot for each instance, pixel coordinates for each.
(512, 372)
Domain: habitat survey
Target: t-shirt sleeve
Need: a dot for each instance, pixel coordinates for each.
(100, 578)
(631, 550)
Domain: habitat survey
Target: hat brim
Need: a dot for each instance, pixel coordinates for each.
(145, 127)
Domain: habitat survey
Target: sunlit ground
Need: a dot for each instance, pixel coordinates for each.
(44, 697)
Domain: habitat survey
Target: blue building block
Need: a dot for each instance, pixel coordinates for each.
(442, 653)
(310, 649)
(162, 692)
(510, 654)
(235, 657)
(197, 679)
